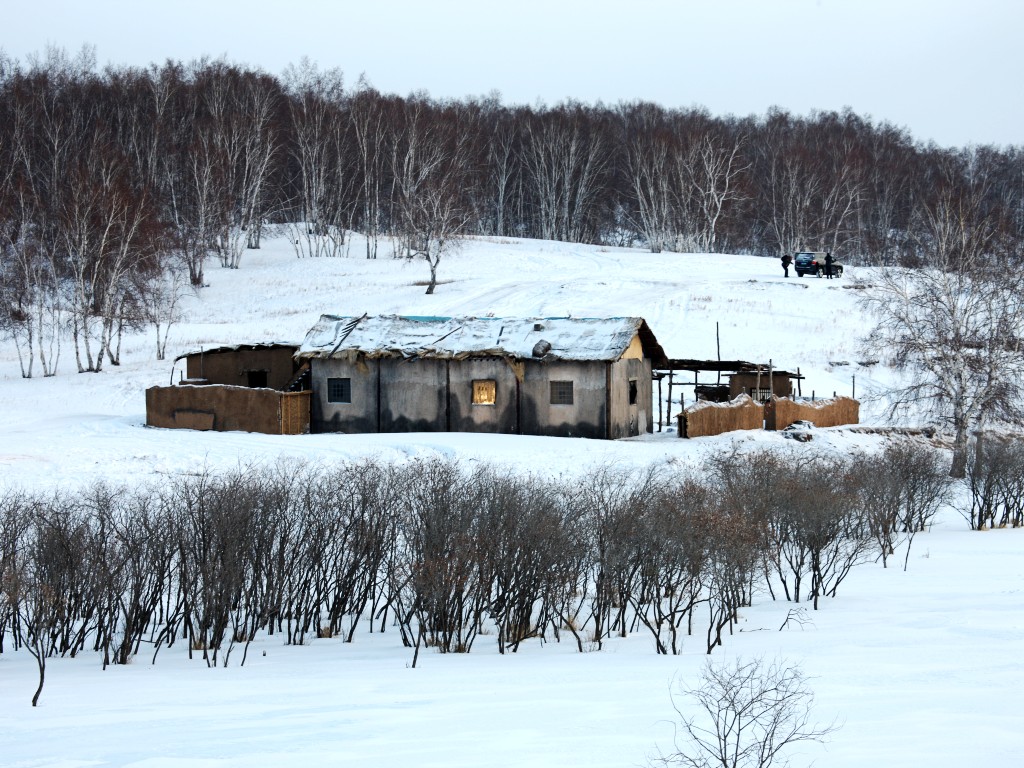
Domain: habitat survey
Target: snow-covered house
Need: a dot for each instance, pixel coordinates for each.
(558, 376)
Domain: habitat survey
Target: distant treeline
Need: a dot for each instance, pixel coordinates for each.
(107, 177)
(443, 552)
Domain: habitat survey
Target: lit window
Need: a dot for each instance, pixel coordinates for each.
(339, 390)
(484, 391)
(561, 393)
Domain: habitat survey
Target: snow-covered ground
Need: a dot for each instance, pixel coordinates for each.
(921, 667)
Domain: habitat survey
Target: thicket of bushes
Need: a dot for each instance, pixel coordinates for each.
(443, 551)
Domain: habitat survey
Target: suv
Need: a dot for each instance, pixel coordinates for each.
(813, 263)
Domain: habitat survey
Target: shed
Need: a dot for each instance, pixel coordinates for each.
(558, 376)
(242, 387)
(270, 365)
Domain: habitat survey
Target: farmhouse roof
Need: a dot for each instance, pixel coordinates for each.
(548, 338)
(236, 347)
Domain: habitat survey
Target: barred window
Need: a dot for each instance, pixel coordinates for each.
(485, 391)
(561, 393)
(339, 390)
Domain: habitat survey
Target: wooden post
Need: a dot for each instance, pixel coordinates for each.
(670, 396)
(660, 423)
(718, 347)
(799, 392)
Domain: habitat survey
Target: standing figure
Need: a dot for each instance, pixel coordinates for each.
(828, 265)
(786, 261)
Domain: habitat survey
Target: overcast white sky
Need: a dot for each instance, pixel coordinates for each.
(948, 70)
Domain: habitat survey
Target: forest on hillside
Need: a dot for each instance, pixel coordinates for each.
(118, 185)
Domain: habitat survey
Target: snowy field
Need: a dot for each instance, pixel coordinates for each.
(921, 668)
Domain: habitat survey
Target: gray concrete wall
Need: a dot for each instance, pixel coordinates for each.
(586, 417)
(413, 395)
(436, 396)
(464, 416)
(357, 417)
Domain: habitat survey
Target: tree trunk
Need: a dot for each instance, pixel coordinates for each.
(958, 469)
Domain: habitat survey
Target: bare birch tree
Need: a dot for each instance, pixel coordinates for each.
(953, 325)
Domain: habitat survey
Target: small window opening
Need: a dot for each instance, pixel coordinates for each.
(561, 393)
(632, 391)
(485, 391)
(339, 390)
(256, 378)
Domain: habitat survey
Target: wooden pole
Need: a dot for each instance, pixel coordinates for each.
(660, 423)
(718, 347)
(669, 415)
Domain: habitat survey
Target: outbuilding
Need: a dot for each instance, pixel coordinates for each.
(557, 376)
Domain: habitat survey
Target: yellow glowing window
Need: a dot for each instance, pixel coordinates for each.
(484, 391)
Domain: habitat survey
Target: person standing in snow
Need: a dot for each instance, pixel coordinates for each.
(786, 261)
(828, 265)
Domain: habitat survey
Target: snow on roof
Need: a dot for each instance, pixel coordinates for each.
(564, 338)
(236, 347)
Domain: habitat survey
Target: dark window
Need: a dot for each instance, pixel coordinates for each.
(339, 390)
(256, 378)
(561, 393)
(485, 391)
(632, 391)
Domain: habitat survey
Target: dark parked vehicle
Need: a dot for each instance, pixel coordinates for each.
(813, 263)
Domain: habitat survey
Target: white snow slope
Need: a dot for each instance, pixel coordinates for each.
(920, 668)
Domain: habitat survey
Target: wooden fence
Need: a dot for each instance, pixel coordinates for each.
(704, 419)
(780, 412)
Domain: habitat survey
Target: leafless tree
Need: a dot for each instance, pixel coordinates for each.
(994, 483)
(673, 565)
(900, 490)
(708, 168)
(431, 169)
(567, 158)
(160, 293)
(649, 146)
(320, 149)
(952, 324)
(372, 116)
(747, 713)
(443, 594)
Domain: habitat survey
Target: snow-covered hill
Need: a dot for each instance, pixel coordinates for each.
(73, 426)
(920, 667)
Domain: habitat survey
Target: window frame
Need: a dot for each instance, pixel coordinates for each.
(562, 392)
(345, 384)
(493, 392)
